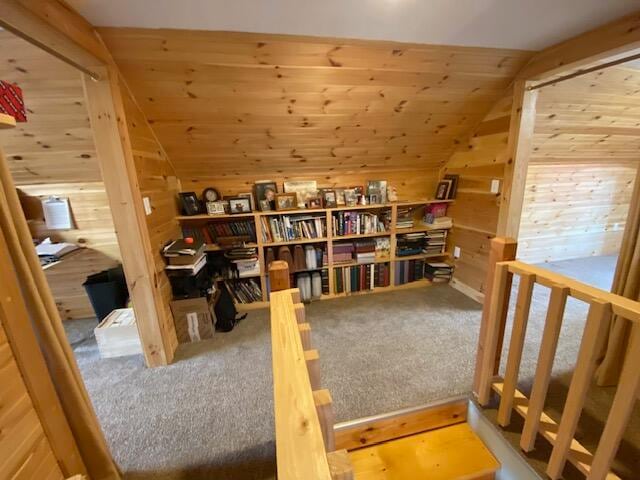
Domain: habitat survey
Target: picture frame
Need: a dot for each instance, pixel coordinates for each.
(265, 206)
(330, 198)
(215, 208)
(239, 205)
(374, 199)
(377, 188)
(266, 190)
(359, 192)
(250, 196)
(305, 190)
(189, 203)
(350, 197)
(340, 196)
(315, 202)
(454, 185)
(286, 201)
(442, 190)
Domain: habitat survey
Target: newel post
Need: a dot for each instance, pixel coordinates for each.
(502, 250)
(279, 276)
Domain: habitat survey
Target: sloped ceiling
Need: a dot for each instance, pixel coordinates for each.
(240, 103)
(521, 24)
(590, 118)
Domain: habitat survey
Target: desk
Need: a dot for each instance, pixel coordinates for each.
(66, 277)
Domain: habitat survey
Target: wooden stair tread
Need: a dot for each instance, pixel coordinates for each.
(449, 453)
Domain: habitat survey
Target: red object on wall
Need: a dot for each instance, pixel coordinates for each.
(11, 101)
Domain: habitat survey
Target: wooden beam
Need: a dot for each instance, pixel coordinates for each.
(108, 122)
(618, 39)
(57, 29)
(523, 119)
(368, 431)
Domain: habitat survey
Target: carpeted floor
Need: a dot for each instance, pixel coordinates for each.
(209, 415)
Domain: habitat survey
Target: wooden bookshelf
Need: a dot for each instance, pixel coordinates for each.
(326, 214)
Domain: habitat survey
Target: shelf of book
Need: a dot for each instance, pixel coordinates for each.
(419, 256)
(214, 247)
(330, 240)
(354, 236)
(295, 242)
(354, 263)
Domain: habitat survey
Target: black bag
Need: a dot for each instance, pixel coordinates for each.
(226, 313)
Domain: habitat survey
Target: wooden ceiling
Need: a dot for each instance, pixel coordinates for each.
(590, 118)
(251, 104)
(56, 144)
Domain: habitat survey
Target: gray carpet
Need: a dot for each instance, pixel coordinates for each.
(209, 415)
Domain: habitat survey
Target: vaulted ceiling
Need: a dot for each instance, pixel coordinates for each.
(256, 104)
(589, 118)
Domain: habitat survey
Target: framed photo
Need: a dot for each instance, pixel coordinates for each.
(442, 191)
(216, 208)
(239, 205)
(265, 206)
(305, 190)
(359, 192)
(189, 203)
(374, 199)
(286, 201)
(379, 188)
(266, 191)
(340, 196)
(350, 197)
(249, 195)
(454, 185)
(315, 202)
(329, 198)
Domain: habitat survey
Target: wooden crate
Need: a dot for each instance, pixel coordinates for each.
(117, 335)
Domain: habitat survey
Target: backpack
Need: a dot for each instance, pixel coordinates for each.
(226, 313)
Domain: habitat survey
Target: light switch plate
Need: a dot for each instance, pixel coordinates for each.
(495, 186)
(147, 205)
(456, 252)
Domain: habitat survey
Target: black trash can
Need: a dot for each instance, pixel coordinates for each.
(107, 290)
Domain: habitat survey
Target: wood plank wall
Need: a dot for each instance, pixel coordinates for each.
(157, 180)
(54, 154)
(585, 153)
(232, 108)
(575, 210)
(476, 210)
(26, 450)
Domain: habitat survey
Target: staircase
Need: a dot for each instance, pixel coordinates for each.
(448, 453)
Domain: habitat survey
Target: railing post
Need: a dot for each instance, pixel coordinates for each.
(499, 300)
(324, 407)
(279, 276)
(595, 333)
(502, 250)
(621, 409)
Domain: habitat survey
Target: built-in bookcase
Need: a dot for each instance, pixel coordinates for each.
(326, 228)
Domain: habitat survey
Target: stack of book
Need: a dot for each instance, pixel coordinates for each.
(343, 252)
(361, 277)
(410, 244)
(244, 291)
(409, 271)
(405, 218)
(222, 232)
(438, 271)
(442, 222)
(245, 261)
(185, 256)
(435, 241)
(352, 223)
(365, 251)
(288, 228)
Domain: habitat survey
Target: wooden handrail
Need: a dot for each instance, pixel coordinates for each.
(602, 305)
(300, 446)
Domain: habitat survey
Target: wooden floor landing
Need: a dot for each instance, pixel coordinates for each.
(448, 453)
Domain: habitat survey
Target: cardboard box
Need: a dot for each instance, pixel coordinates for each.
(194, 319)
(117, 335)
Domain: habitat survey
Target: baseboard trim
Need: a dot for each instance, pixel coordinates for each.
(467, 290)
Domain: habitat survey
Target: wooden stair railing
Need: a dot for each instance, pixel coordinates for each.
(602, 305)
(304, 419)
